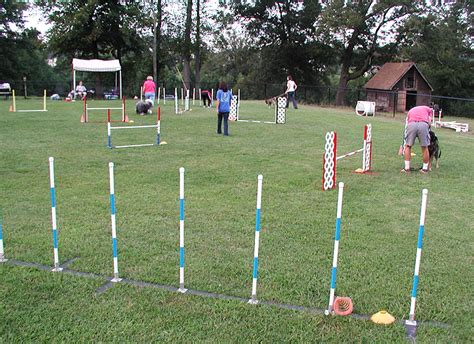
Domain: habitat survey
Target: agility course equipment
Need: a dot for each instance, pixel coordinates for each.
(185, 101)
(280, 112)
(458, 127)
(14, 109)
(364, 108)
(410, 324)
(342, 305)
(2, 252)
(56, 268)
(330, 157)
(85, 114)
(157, 126)
(181, 289)
(253, 300)
(382, 317)
(336, 250)
(114, 224)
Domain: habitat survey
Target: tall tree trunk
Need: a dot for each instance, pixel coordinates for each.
(197, 57)
(157, 21)
(187, 46)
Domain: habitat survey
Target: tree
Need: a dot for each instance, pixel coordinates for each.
(285, 32)
(439, 43)
(186, 49)
(355, 28)
(96, 28)
(197, 47)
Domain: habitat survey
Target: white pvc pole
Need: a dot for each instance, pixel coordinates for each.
(336, 249)
(181, 289)
(114, 225)
(253, 299)
(2, 252)
(418, 254)
(56, 267)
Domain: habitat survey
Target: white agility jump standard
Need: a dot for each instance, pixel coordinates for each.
(157, 126)
(280, 111)
(14, 109)
(184, 100)
(85, 114)
(330, 156)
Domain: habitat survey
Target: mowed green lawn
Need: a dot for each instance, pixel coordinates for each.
(380, 221)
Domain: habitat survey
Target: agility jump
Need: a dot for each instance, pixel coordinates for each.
(14, 109)
(157, 126)
(280, 111)
(85, 114)
(184, 100)
(330, 157)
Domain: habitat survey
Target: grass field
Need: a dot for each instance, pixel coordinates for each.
(380, 221)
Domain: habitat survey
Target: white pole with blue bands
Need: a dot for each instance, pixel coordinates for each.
(418, 254)
(2, 252)
(336, 249)
(181, 231)
(114, 225)
(56, 268)
(254, 300)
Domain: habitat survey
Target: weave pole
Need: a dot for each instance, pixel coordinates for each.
(109, 130)
(14, 100)
(158, 125)
(176, 109)
(253, 299)
(2, 252)
(56, 267)
(336, 250)
(159, 94)
(164, 95)
(181, 289)
(114, 225)
(44, 100)
(411, 323)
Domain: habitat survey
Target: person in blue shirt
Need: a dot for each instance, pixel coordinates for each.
(223, 100)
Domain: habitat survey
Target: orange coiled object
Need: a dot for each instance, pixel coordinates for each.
(342, 306)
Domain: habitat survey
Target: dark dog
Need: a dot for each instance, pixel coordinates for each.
(433, 148)
(270, 101)
(143, 107)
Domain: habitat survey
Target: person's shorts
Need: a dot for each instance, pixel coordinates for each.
(150, 95)
(420, 130)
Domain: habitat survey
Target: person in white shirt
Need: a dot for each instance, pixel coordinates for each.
(290, 91)
(81, 90)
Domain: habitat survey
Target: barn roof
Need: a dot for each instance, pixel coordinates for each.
(391, 73)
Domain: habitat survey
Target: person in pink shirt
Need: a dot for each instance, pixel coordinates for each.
(418, 125)
(149, 88)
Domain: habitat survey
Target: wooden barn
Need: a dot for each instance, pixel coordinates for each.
(399, 83)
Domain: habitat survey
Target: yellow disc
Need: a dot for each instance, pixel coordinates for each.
(163, 143)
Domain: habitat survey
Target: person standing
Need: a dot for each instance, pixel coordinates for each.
(290, 91)
(418, 119)
(223, 100)
(149, 88)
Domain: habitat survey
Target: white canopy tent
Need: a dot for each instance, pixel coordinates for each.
(101, 66)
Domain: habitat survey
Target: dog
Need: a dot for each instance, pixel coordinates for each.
(144, 107)
(270, 101)
(434, 150)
